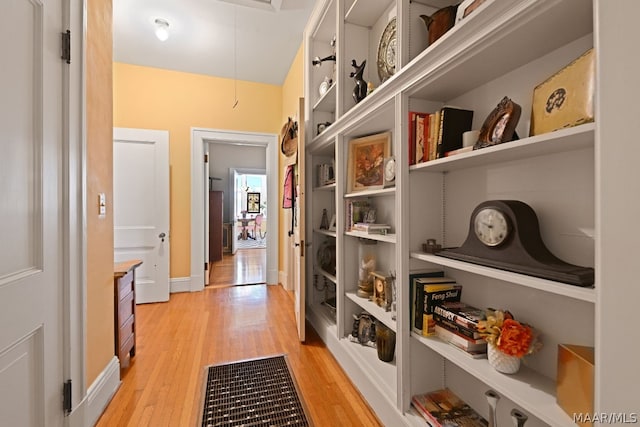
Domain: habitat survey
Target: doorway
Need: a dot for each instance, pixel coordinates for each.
(201, 140)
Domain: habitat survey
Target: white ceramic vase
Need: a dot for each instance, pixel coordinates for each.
(502, 362)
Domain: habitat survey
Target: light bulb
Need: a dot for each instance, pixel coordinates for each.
(162, 29)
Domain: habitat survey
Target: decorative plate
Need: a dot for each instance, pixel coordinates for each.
(387, 51)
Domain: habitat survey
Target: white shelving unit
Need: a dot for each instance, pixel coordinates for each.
(579, 180)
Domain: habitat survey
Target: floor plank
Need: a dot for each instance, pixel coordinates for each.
(176, 340)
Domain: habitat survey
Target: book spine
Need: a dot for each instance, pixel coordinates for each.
(439, 151)
(412, 138)
(425, 138)
(429, 418)
(418, 318)
(460, 340)
(431, 299)
(419, 138)
(455, 327)
(453, 317)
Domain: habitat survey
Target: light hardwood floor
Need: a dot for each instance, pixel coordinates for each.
(176, 340)
(247, 266)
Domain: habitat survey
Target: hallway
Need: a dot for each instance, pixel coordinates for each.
(246, 267)
(176, 340)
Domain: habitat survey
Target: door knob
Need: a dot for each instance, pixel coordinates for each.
(162, 236)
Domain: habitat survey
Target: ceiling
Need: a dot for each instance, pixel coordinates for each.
(203, 38)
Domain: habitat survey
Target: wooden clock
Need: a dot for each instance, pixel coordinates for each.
(505, 234)
(382, 292)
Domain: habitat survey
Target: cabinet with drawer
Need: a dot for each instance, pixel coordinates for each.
(125, 310)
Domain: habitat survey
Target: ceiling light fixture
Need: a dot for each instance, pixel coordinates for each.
(162, 29)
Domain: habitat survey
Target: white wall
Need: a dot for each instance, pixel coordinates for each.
(222, 157)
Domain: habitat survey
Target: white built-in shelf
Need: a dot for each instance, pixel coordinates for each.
(372, 193)
(327, 28)
(389, 238)
(374, 309)
(325, 314)
(329, 276)
(531, 391)
(366, 12)
(576, 138)
(383, 374)
(571, 291)
(327, 187)
(327, 102)
(330, 233)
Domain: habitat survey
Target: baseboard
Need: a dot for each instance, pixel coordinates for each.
(283, 279)
(98, 396)
(196, 283)
(179, 284)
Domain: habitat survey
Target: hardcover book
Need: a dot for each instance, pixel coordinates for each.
(435, 294)
(420, 284)
(453, 326)
(460, 341)
(417, 296)
(442, 408)
(461, 313)
(453, 123)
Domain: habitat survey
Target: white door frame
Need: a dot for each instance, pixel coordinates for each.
(200, 137)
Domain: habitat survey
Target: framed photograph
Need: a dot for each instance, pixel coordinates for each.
(253, 202)
(365, 162)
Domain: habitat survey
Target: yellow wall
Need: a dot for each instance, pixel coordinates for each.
(151, 98)
(99, 292)
(292, 91)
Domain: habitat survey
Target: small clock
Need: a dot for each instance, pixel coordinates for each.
(382, 290)
(505, 234)
(389, 172)
(387, 51)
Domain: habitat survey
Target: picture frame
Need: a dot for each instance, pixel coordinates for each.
(365, 162)
(253, 202)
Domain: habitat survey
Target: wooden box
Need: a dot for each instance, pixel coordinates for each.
(574, 384)
(566, 98)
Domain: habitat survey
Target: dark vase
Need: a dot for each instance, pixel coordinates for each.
(385, 342)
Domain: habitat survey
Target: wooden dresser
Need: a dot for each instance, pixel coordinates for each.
(124, 278)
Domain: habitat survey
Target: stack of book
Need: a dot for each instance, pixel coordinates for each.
(427, 291)
(371, 228)
(355, 211)
(432, 135)
(457, 324)
(443, 408)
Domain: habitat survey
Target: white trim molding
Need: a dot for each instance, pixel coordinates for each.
(179, 284)
(98, 396)
(199, 137)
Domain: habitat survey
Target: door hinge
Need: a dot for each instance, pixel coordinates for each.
(206, 158)
(302, 248)
(66, 47)
(206, 266)
(66, 392)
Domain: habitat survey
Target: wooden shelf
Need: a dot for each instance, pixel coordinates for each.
(327, 187)
(372, 193)
(576, 138)
(389, 238)
(384, 373)
(571, 291)
(531, 391)
(327, 102)
(330, 233)
(326, 274)
(373, 309)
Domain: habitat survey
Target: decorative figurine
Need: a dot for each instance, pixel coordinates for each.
(431, 246)
(360, 90)
(324, 223)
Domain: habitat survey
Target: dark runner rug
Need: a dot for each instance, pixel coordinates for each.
(256, 392)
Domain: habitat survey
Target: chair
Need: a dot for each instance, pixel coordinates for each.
(256, 227)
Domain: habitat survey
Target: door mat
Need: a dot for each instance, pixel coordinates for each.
(256, 392)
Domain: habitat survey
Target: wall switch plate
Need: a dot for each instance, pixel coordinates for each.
(102, 204)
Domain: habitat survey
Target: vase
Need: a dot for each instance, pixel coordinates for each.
(385, 342)
(502, 362)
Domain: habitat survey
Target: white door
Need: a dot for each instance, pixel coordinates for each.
(141, 208)
(31, 200)
(299, 230)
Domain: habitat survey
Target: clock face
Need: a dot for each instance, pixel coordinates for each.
(390, 170)
(379, 286)
(491, 226)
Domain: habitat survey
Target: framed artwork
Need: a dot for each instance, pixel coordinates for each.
(253, 202)
(365, 162)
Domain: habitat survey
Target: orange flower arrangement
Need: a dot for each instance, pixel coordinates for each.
(508, 335)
